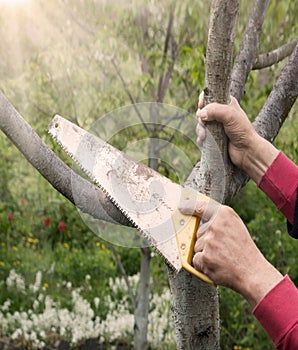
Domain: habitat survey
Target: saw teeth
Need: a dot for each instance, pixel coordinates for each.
(113, 200)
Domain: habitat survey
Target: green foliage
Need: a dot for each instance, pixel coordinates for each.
(83, 61)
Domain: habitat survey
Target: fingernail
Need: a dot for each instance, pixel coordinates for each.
(203, 114)
(185, 207)
(182, 205)
(199, 141)
(200, 209)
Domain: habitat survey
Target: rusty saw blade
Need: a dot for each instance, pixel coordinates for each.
(148, 199)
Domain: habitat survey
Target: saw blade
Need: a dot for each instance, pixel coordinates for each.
(146, 198)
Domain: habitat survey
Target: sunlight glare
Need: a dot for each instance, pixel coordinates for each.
(14, 2)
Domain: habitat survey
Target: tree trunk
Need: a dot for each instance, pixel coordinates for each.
(141, 312)
(142, 308)
(195, 312)
(195, 304)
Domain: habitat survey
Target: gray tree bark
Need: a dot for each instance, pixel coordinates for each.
(142, 307)
(90, 200)
(195, 305)
(249, 48)
(267, 59)
(280, 100)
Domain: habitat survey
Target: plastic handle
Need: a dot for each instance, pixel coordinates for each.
(186, 227)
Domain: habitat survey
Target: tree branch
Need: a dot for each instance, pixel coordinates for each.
(142, 38)
(270, 119)
(132, 100)
(274, 112)
(90, 199)
(163, 82)
(219, 57)
(124, 275)
(248, 48)
(270, 58)
(280, 100)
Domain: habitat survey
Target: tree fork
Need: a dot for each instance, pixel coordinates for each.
(195, 303)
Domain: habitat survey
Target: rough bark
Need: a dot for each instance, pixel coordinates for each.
(273, 113)
(195, 313)
(195, 304)
(280, 101)
(142, 308)
(219, 59)
(248, 48)
(268, 59)
(196, 321)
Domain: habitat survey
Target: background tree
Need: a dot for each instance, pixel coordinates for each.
(164, 64)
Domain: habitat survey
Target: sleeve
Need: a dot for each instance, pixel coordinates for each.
(280, 183)
(278, 314)
(293, 228)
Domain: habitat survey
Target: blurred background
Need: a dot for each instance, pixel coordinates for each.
(83, 59)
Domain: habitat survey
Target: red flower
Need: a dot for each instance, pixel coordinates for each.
(10, 217)
(61, 226)
(24, 201)
(47, 221)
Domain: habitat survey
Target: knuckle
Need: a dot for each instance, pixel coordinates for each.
(227, 211)
(209, 239)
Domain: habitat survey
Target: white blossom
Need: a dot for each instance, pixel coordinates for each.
(81, 322)
(35, 287)
(96, 302)
(14, 280)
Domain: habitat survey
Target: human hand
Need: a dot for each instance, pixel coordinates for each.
(225, 252)
(237, 126)
(247, 150)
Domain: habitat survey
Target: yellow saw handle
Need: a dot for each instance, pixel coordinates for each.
(186, 227)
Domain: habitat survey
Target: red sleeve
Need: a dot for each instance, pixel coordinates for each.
(278, 314)
(280, 183)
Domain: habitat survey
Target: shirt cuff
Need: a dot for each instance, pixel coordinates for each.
(280, 183)
(278, 310)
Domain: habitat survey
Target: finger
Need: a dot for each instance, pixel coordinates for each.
(217, 111)
(204, 210)
(234, 102)
(201, 100)
(199, 126)
(208, 217)
(209, 210)
(199, 246)
(197, 262)
(203, 227)
(201, 132)
(192, 207)
(200, 141)
(201, 115)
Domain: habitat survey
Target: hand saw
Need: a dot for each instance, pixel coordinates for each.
(148, 199)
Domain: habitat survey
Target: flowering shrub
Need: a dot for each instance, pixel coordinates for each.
(46, 320)
(9, 217)
(47, 222)
(61, 226)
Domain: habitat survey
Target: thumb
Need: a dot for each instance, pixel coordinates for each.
(202, 209)
(219, 112)
(192, 207)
